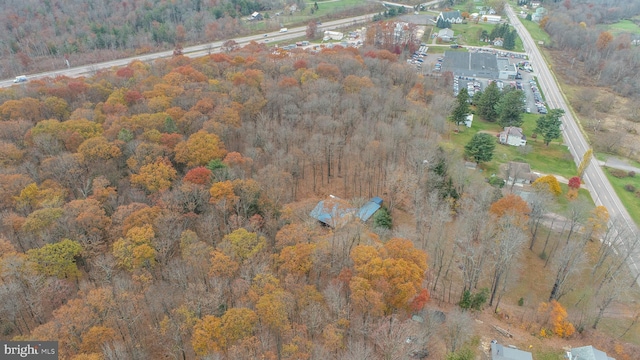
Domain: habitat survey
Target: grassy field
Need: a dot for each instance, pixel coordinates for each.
(325, 8)
(552, 159)
(536, 32)
(629, 199)
(469, 34)
(622, 26)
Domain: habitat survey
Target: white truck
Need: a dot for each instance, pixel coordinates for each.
(283, 30)
(20, 79)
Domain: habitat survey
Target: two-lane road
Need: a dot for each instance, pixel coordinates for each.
(599, 186)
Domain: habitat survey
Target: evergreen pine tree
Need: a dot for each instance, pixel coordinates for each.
(486, 106)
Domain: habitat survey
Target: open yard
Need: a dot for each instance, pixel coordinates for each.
(552, 159)
(325, 9)
(536, 32)
(622, 26)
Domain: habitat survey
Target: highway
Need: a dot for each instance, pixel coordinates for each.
(197, 50)
(208, 48)
(594, 178)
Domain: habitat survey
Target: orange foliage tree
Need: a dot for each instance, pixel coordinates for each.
(548, 183)
(199, 175)
(556, 317)
(397, 270)
(156, 176)
(511, 205)
(199, 149)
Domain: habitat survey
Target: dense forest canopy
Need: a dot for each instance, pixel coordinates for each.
(165, 203)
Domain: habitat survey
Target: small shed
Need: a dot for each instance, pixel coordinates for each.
(368, 209)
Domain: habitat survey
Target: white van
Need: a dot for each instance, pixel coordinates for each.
(283, 30)
(20, 79)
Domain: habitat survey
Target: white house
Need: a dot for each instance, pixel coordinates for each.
(491, 19)
(513, 136)
(332, 35)
(445, 34)
(452, 17)
(468, 121)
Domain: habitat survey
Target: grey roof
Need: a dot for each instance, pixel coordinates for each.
(503, 64)
(519, 167)
(445, 32)
(588, 353)
(450, 15)
(471, 64)
(513, 131)
(499, 352)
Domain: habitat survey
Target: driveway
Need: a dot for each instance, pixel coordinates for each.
(618, 163)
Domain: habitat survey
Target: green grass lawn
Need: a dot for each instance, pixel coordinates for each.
(536, 32)
(469, 34)
(552, 159)
(629, 199)
(324, 9)
(622, 26)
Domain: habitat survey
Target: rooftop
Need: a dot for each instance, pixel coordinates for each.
(500, 352)
(471, 64)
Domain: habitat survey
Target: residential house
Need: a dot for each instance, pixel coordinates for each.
(333, 212)
(539, 14)
(500, 352)
(519, 173)
(452, 17)
(513, 136)
(256, 16)
(498, 42)
(446, 35)
(587, 353)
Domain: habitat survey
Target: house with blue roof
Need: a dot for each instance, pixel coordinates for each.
(587, 353)
(368, 209)
(335, 212)
(500, 352)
